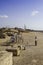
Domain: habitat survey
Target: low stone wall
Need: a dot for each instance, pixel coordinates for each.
(15, 51)
(5, 58)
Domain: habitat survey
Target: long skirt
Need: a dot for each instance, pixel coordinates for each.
(35, 43)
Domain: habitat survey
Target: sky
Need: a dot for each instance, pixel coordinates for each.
(17, 13)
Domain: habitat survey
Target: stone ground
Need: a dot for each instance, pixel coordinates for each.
(33, 55)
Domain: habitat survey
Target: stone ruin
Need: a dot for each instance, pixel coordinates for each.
(15, 51)
(18, 38)
(5, 58)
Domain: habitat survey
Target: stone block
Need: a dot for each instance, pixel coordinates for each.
(15, 51)
(5, 58)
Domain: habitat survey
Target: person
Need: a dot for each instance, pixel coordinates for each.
(35, 40)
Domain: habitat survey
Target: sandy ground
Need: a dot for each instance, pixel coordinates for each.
(33, 55)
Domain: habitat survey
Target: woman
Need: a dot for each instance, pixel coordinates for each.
(35, 40)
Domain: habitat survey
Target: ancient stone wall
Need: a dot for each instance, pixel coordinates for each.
(5, 58)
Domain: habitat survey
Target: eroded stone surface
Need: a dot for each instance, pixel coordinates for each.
(5, 58)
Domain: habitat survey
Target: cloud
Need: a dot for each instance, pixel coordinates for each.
(34, 13)
(3, 16)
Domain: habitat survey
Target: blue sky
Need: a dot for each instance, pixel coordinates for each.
(17, 13)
